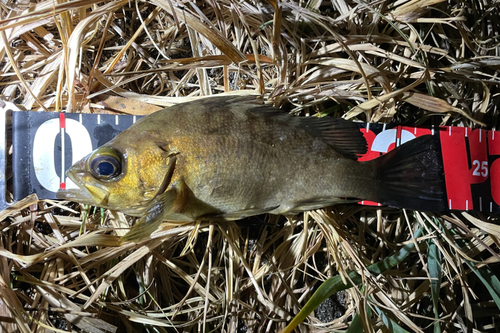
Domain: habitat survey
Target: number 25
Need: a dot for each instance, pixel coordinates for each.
(480, 165)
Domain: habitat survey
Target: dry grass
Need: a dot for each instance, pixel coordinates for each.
(411, 62)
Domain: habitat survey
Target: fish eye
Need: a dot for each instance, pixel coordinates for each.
(105, 164)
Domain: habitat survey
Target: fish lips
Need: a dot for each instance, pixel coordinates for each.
(75, 194)
(80, 194)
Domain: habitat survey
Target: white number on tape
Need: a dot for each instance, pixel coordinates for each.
(484, 168)
(43, 146)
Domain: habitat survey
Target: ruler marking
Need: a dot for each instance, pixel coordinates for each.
(62, 125)
(398, 136)
(99, 119)
(116, 119)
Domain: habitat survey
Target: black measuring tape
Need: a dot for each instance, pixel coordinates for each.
(46, 144)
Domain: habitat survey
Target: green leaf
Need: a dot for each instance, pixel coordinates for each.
(485, 275)
(356, 326)
(489, 280)
(391, 325)
(434, 261)
(335, 284)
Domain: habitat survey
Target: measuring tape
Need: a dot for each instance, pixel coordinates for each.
(46, 144)
(470, 158)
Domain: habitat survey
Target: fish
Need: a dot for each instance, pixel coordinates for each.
(230, 157)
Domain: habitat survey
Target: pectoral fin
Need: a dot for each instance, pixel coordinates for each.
(171, 201)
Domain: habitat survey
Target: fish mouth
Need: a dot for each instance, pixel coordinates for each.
(75, 194)
(80, 194)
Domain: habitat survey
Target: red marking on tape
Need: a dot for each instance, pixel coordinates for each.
(370, 203)
(418, 131)
(370, 154)
(63, 186)
(495, 181)
(455, 165)
(459, 174)
(494, 149)
(493, 144)
(62, 120)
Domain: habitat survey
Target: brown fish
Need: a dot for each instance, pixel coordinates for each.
(227, 158)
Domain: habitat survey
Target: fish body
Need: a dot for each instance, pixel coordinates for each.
(230, 157)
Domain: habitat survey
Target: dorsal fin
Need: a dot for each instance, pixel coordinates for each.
(342, 135)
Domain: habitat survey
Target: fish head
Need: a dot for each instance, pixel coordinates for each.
(124, 175)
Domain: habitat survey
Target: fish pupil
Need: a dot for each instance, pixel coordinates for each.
(105, 168)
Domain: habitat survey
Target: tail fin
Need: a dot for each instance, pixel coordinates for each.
(411, 176)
